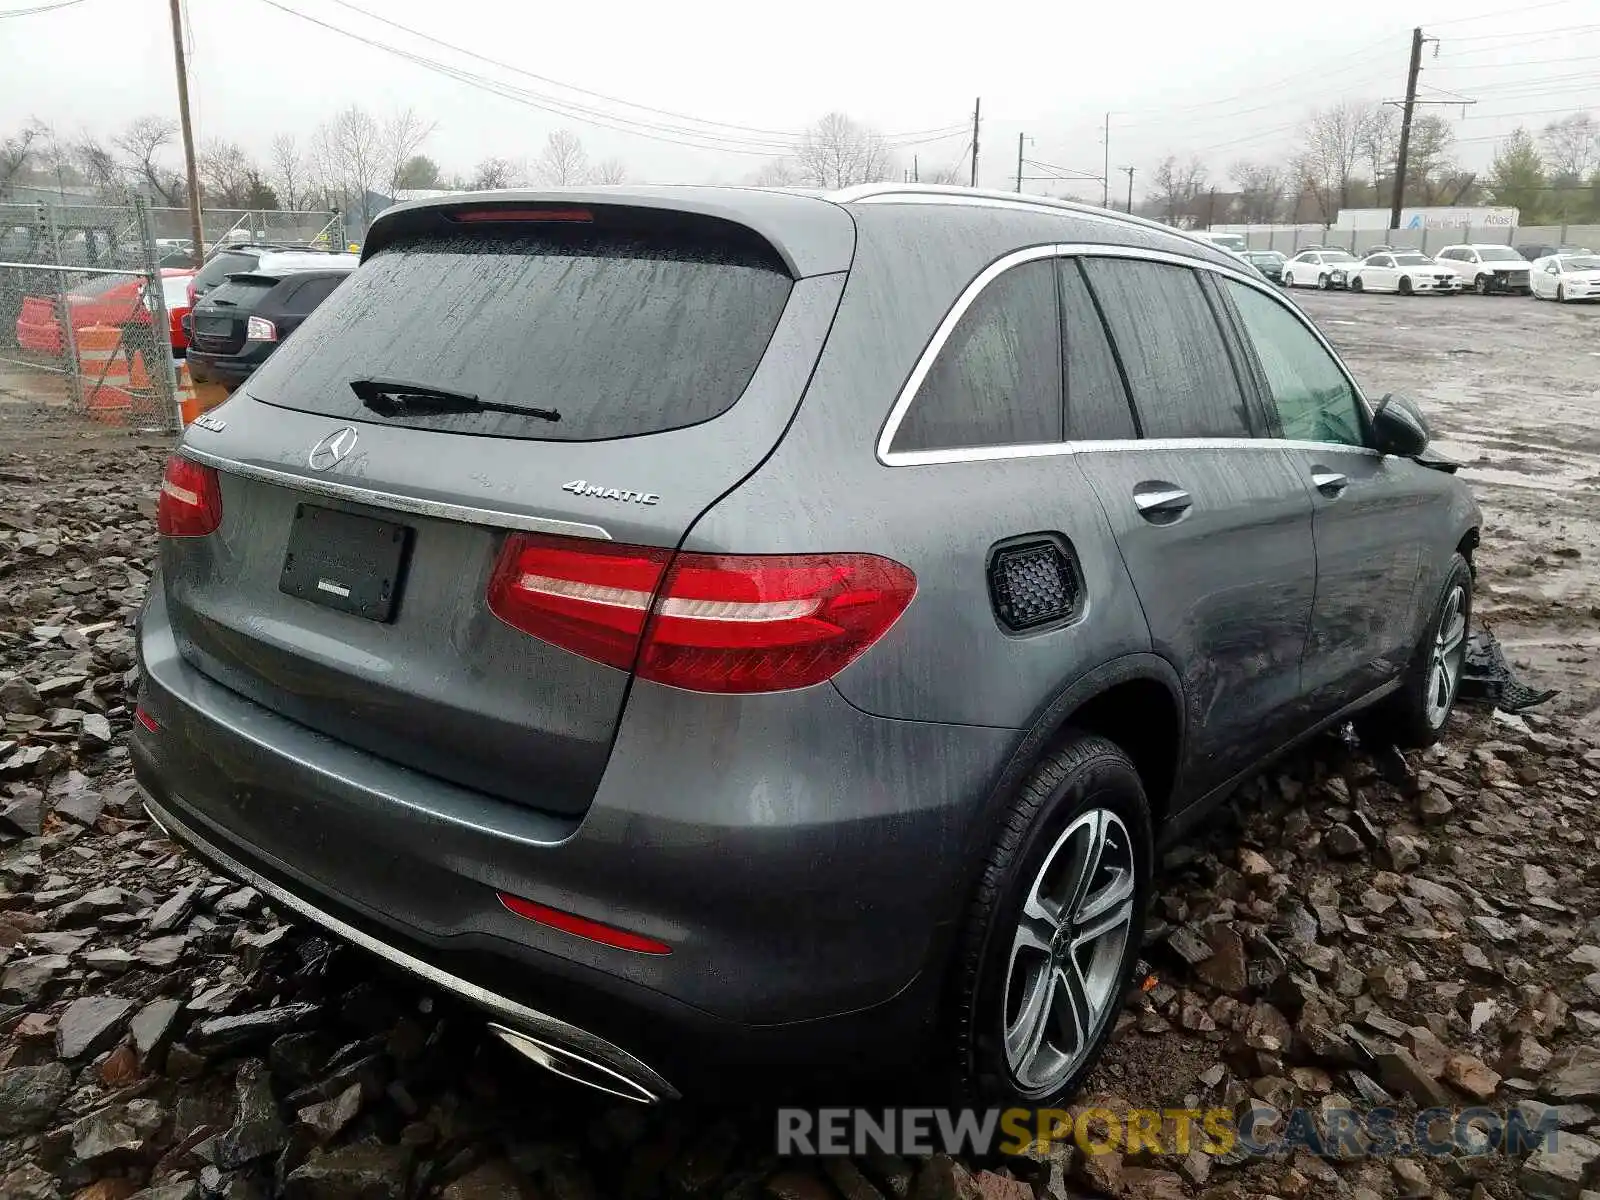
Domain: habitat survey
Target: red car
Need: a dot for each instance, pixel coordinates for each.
(104, 300)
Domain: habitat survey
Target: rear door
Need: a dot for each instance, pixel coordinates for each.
(348, 587)
(1367, 507)
(1214, 525)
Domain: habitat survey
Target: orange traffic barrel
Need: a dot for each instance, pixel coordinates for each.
(103, 368)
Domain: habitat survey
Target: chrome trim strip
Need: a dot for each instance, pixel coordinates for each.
(554, 1059)
(397, 503)
(925, 361)
(583, 1043)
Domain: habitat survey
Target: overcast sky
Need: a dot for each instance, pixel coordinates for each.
(1178, 78)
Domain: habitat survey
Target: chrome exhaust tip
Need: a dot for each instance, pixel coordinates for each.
(573, 1066)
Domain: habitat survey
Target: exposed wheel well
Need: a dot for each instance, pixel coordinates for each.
(1140, 716)
(1467, 544)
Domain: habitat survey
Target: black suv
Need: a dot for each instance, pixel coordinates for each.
(236, 325)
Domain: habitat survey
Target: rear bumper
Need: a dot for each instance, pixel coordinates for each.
(804, 860)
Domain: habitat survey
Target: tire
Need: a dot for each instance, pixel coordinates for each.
(1084, 790)
(1405, 285)
(1481, 285)
(1561, 293)
(1356, 285)
(1528, 291)
(1288, 279)
(1322, 282)
(1415, 716)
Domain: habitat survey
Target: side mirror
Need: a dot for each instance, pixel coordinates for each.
(1400, 427)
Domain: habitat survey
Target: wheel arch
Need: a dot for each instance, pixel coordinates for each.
(1136, 701)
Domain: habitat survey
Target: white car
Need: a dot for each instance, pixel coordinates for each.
(1403, 271)
(1319, 268)
(1567, 277)
(1488, 268)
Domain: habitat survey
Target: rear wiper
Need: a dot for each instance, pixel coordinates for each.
(397, 398)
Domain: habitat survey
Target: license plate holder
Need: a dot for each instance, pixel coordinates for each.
(346, 562)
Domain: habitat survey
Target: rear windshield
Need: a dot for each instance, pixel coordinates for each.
(245, 292)
(223, 265)
(618, 334)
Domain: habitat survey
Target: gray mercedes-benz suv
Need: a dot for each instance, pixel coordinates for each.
(714, 629)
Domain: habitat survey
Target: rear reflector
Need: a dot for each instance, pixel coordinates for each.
(594, 931)
(145, 719)
(190, 504)
(522, 214)
(710, 622)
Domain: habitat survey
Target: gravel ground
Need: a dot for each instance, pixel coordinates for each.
(1354, 929)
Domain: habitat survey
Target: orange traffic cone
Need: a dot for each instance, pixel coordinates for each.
(189, 405)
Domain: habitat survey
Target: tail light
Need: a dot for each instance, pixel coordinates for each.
(191, 499)
(259, 329)
(704, 622)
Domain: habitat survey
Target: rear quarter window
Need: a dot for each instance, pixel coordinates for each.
(620, 333)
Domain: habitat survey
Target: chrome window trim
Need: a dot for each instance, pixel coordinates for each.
(397, 503)
(970, 294)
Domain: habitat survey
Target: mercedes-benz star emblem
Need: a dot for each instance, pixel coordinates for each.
(334, 448)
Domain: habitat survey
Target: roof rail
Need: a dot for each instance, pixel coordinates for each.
(876, 191)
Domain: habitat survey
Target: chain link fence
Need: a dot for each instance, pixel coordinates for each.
(84, 324)
(86, 300)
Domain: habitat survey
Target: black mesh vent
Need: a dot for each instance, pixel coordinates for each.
(1032, 585)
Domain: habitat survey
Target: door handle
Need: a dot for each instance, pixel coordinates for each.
(1161, 500)
(1329, 483)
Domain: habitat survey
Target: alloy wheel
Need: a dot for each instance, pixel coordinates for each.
(1448, 654)
(1063, 976)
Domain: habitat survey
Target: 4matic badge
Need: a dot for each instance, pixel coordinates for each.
(582, 487)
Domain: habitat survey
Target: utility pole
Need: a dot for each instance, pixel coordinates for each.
(195, 231)
(977, 108)
(1128, 171)
(1399, 199)
(916, 170)
(1105, 170)
(1019, 162)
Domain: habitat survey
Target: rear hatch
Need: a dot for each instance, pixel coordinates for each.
(660, 352)
(219, 320)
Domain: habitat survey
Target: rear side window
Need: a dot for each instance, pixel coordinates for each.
(1097, 406)
(620, 333)
(220, 267)
(1315, 401)
(1183, 383)
(997, 379)
(310, 294)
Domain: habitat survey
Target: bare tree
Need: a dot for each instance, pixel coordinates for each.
(1430, 165)
(350, 158)
(228, 177)
(1177, 186)
(141, 144)
(954, 172)
(1333, 142)
(496, 173)
(18, 150)
(289, 174)
(1260, 191)
(1379, 143)
(609, 170)
(1572, 146)
(563, 161)
(403, 134)
(838, 152)
(99, 168)
(777, 172)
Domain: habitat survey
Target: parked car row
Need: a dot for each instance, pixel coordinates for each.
(1559, 273)
(226, 318)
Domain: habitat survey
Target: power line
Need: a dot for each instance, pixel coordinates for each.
(700, 139)
(1504, 12)
(37, 9)
(427, 37)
